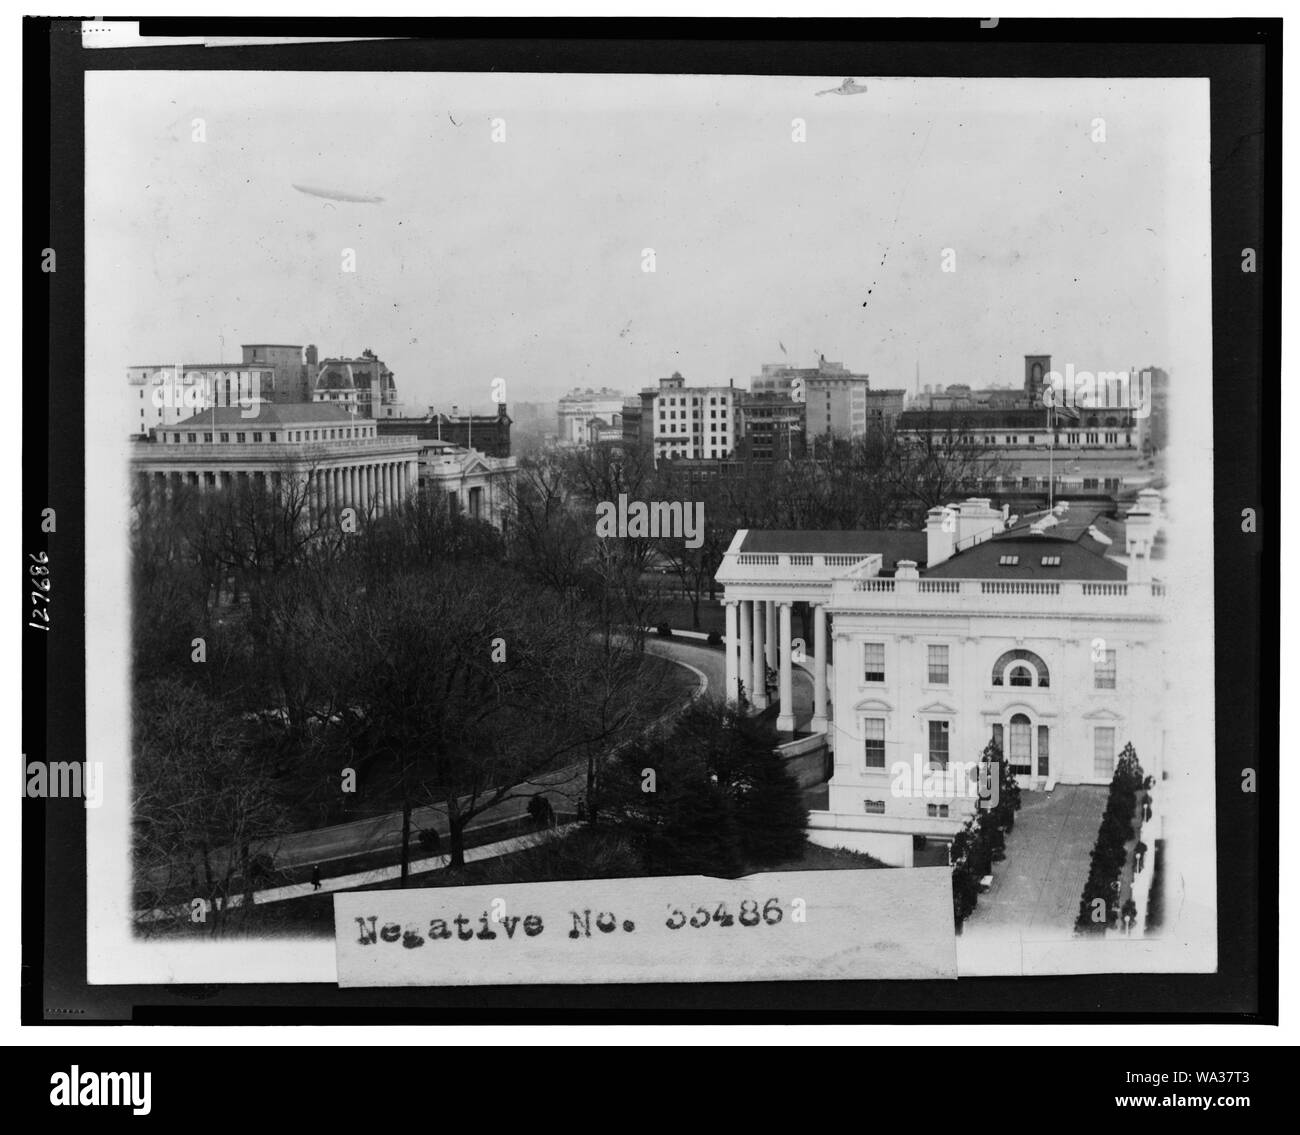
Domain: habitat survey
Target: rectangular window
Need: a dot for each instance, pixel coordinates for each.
(938, 744)
(874, 807)
(1044, 764)
(1103, 672)
(997, 738)
(191, 437)
(1051, 561)
(1089, 483)
(1008, 561)
(937, 810)
(938, 665)
(873, 730)
(225, 437)
(1103, 751)
(257, 436)
(1018, 756)
(873, 661)
(241, 437)
(273, 437)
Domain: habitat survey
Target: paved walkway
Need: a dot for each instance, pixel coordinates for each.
(1039, 884)
(371, 878)
(710, 659)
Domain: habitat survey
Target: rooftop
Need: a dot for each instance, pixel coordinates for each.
(891, 544)
(268, 414)
(1073, 542)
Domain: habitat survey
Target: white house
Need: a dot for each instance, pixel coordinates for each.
(1044, 632)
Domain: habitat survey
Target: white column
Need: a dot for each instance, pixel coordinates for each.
(336, 489)
(770, 635)
(819, 669)
(731, 646)
(412, 477)
(759, 696)
(785, 720)
(746, 649)
(370, 487)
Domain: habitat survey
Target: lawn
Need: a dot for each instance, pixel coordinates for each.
(677, 613)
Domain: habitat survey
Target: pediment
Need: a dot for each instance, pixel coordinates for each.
(1103, 714)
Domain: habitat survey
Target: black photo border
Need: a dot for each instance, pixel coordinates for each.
(1241, 58)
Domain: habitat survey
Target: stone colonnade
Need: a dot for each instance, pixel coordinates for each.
(757, 640)
(381, 484)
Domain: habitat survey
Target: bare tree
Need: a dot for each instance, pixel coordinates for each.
(202, 803)
(470, 685)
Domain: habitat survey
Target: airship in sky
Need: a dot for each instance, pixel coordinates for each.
(336, 194)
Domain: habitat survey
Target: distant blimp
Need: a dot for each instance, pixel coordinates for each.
(336, 194)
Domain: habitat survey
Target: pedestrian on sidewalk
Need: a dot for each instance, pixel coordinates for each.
(541, 812)
(315, 877)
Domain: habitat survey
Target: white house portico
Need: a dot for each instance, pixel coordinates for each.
(763, 574)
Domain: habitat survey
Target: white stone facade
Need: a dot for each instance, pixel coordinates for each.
(1046, 633)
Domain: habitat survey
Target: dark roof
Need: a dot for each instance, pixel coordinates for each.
(268, 414)
(982, 561)
(1082, 556)
(335, 378)
(1070, 524)
(891, 544)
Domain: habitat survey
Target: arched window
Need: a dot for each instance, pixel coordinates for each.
(1031, 667)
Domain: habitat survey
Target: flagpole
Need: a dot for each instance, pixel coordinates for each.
(1051, 453)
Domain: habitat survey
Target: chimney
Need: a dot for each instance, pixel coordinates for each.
(1141, 525)
(977, 520)
(311, 354)
(938, 543)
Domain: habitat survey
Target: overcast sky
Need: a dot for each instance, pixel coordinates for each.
(523, 259)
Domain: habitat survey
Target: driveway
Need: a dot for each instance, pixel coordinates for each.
(1039, 884)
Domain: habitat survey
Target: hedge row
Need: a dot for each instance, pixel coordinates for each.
(1098, 907)
(982, 841)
